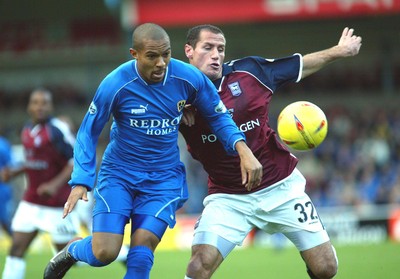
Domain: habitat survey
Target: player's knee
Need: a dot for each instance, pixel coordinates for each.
(326, 271)
(194, 267)
(105, 255)
(17, 250)
(330, 269)
(200, 266)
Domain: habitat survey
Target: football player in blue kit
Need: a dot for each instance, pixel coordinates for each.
(6, 198)
(141, 178)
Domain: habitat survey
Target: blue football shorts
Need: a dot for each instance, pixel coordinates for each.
(124, 192)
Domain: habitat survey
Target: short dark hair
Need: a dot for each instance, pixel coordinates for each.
(193, 34)
(150, 31)
(42, 90)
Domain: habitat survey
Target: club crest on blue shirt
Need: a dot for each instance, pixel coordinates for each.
(180, 105)
(220, 108)
(92, 108)
(235, 88)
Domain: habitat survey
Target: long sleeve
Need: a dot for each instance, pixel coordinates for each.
(98, 114)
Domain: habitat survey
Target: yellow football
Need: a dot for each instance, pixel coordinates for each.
(302, 125)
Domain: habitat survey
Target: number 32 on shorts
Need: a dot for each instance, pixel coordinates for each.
(306, 211)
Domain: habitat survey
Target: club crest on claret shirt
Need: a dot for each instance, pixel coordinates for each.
(234, 87)
(37, 141)
(180, 105)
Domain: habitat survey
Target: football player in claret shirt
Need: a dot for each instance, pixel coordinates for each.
(141, 178)
(280, 203)
(48, 146)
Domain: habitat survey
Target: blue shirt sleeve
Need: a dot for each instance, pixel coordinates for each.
(210, 106)
(5, 153)
(98, 114)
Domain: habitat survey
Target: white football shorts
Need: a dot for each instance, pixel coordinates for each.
(31, 217)
(281, 208)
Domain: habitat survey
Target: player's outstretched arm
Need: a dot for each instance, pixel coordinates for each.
(51, 187)
(250, 166)
(79, 192)
(348, 45)
(6, 174)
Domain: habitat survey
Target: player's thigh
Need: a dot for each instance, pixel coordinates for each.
(297, 216)
(224, 222)
(297, 219)
(25, 218)
(161, 193)
(30, 218)
(321, 253)
(112, 196)
(153, 225)
(61, 230)
(21, 242)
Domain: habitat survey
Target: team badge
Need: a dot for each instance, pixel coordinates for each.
(37, 141)
(92, 108)
(220, 108)
(235, 88)
(180, 105)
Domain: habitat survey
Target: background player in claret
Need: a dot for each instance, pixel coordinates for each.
(280, 203)
(48, 146)
(141, 177)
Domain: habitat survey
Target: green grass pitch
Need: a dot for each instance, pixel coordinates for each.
(378, 261)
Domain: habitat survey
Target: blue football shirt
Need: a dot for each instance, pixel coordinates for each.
(146, 120)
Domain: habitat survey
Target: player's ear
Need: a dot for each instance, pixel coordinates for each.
(189, 51)
(133, 52)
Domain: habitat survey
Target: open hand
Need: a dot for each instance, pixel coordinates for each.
(350, 43)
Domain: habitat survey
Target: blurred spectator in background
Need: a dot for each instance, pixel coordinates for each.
(48, 145)
(360, 157)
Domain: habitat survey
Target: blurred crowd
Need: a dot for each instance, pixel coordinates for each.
(359, 162)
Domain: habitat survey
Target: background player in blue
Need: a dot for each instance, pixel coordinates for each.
(6, 197)
(280, 203)
(141, 176)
